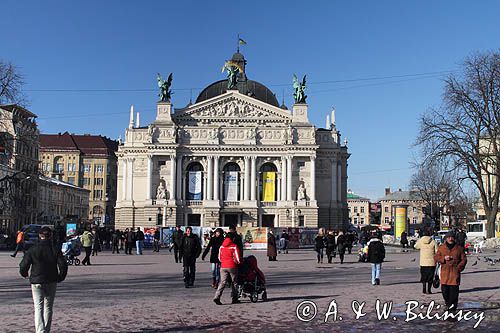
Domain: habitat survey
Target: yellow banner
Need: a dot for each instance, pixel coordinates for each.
(400, 224)
(268, 186)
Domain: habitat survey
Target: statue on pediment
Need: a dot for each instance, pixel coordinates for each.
(165, 91)
(233, 70)
(299, 89)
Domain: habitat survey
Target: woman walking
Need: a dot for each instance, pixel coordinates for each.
(214, 243)
(330, 246)
(428, 249)
(87, 240)
(272, 251)
(341, 246)
(96, 244)
(319, 245)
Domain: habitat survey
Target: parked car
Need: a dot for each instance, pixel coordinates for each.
(439, 236)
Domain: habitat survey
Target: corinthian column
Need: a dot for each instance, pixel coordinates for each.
(246, 187)
(312, 195)
(283, 178)
(179, 178)
(252, 177)
(289, 178)
(148, 182)
(216, 178)
(172, 177)
(124, 179)
(210, 173)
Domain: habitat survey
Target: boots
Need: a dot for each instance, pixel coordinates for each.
(423, 288)
(213, 283)
(429, 287)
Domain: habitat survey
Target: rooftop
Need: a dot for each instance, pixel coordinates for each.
(402, 196)
(90, 145)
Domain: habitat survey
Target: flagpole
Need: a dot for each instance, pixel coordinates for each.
(238, 44)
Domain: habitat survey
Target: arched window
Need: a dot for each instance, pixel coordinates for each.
(231, 182)
(194, 181)
(267, 182)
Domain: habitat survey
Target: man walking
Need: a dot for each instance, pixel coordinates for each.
(190, 249)
(177, 242)
(229, 257)
(452, 258)
(48, 267)
(115, 239)
(139, 241)
(19, 243)
(156, 240)
(376, 255)
(130, 241)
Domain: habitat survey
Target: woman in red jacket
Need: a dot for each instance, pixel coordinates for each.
(229, 257)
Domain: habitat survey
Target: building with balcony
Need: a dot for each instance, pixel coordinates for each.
(235, 156)
(87, 161)
(411, 199)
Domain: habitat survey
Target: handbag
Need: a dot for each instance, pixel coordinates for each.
(437, 273)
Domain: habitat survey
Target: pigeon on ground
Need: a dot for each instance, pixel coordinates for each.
(413, 259)
(475, 263)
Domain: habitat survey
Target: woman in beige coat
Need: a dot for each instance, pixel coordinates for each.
(428, 248)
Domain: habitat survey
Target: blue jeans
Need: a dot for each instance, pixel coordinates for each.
(43, 299)
(376, 271)
(138, 245)
(216, 271)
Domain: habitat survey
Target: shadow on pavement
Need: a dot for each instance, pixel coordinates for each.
(182, 328)
(292, 298)
(479, 289)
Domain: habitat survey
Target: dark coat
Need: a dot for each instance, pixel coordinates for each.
(461, 237)
(177, 237)
(139, 235)
(341, 244)
(404, 238)
(157, 235)
(271, 245)
(130, 237)
(376, 251)
(319, 243)
(330, 242)
(190, 248)
(47, 265)
(214, 243)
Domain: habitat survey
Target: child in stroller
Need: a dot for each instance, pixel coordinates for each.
(251, 280)
(363, 254)
(71, 250)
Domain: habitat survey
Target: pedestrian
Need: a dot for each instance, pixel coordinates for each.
(452, 258)
(272, 252)
(48, 267)
(59, 235)
(19, 243)
(349, 241)
(376, 255)
(177, 242)
(319, 245)
(139, 241)
(156, 240)
(87, 239)
(115, 239)
(363, 238)
(341, 246)
(237, 239)
(130, 241)
(461, 237)
(230, 258)
(190, 249)
(123, 239)
(404, 240)
(284, 239)
(330, 246)
(214, 243)
(96, 244)
(428, 249)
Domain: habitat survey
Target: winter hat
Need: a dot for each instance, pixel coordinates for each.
(450, 234)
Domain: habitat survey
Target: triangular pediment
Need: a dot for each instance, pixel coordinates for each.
(231, 106)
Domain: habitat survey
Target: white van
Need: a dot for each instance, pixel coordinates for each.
(476, 229)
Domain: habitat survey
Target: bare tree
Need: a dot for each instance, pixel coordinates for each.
(11, 82)
(465, 129)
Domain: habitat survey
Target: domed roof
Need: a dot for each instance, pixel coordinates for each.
(248, 87)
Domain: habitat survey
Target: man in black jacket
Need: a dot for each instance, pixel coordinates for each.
(376, 255)
(48, 267)
(190, 249)
(177, 242)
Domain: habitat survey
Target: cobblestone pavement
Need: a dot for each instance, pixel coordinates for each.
(120, 293)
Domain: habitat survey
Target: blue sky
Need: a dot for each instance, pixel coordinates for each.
(121, 45)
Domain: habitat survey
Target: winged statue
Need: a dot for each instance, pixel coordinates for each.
(165, 91)
(299, 89)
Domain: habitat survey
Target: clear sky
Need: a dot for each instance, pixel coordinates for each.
(378, 54)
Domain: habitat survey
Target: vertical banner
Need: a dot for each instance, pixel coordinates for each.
(231, 186)
(70, 229)
(194, 189)
(400, 224)
(268, 186)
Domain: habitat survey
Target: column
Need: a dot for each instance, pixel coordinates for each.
(180, 178)
(124, 179)
(312, 195)
(172, 177)
(334, 181)
(130, 169)
(246, 186)
(210, 174)
(283, 178)
(252, 177)
(148, 182)
(216, 177)
(164, 217)
(339, 181)
(289, 178)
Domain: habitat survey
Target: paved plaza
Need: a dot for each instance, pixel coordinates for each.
(120, 293)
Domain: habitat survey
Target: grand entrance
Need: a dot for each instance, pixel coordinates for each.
(230, 219)
(268, 221)
(194, 220)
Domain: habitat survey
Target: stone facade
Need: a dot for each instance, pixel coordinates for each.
(359, 209)
(239, 146)
(416, 206)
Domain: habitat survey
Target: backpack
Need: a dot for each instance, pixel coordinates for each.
(377, 251)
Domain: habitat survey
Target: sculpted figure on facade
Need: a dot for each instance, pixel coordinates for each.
(161, 191)
(151, 131)
(301, 192)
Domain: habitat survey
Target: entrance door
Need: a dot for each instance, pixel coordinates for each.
(194, 220)
(230, 219)
(268, 221)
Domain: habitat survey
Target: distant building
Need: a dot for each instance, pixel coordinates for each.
(19, 167)
(416, 206)
(87, 161)
(58, 200)
(359, 209)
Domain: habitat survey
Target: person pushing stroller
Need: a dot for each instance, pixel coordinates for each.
(229, 257)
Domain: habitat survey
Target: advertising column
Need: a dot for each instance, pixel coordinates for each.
(401, 223)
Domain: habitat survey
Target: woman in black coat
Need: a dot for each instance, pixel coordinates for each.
(341, 246)
(330, 246)
(214, 243)
(319, 245)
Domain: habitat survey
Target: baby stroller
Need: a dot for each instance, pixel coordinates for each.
(363, 254)
(251, 280)
(71, 250)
